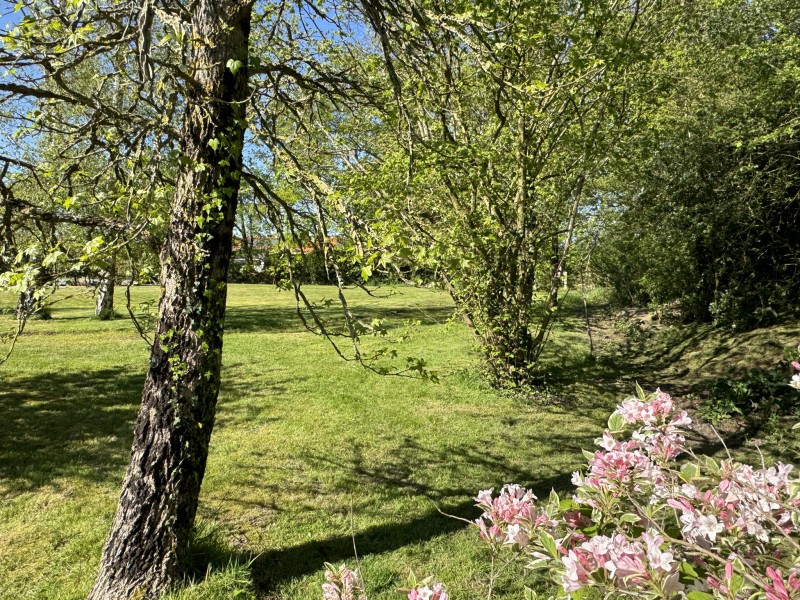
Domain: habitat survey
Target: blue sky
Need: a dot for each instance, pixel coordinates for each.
(8, 18)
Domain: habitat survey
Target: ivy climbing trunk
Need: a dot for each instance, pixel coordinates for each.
(157, 507)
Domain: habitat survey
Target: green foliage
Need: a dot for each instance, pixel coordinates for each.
(482, 171)
(704, 206)
(719, 406)
(762, 396)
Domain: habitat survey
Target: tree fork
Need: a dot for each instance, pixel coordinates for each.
(158, 503)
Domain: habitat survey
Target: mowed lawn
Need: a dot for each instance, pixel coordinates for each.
(310, 455)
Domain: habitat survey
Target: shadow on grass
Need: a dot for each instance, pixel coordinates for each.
(249, 319)
(80, 424)
(270, 569)
(76, 424)
(409, 470)
(403, 471)
(656, 360)
(248, 392)
(452, 510)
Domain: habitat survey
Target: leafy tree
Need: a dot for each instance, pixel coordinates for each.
(185, 94)
(502, 119)
(703, 205)
(148, 102)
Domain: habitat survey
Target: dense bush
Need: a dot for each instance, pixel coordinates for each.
(703, 206)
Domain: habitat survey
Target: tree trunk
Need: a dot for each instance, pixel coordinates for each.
(104, 306)
(159, 498)
(25, 305)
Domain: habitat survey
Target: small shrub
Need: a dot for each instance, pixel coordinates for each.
(761, 396)
(717, 407)
(43, 314)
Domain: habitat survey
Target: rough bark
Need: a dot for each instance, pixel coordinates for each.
(159, 498)
(104, 305)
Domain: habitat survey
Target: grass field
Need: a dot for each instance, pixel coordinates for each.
(311, 455)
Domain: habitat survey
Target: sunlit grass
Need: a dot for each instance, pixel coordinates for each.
(309, 455)
(312, 455)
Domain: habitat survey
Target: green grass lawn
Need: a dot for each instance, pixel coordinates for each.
(311, 455)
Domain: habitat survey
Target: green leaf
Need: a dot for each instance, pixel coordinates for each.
(233, 65)
(366, 272)
(616, 423)
(710, 465)
(688, 569)
(689, 472)
(549, 543)
(737, 583)
(640, 392)
(214, 144)
(698, 595)
(567, 504)
(52, 258)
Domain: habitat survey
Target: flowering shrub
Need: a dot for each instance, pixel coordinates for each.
(642, 524)
(342, 583)
(795, 382)
(435, 591)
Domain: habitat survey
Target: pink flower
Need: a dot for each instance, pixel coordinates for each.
(434, 592)
(700, 529)
(664, 443)
(617, 470)
(681, 420)
(342, 584)
(615, 558)
(777, 588)
(659, 436)
(661, 561)
(516, 535)
(509, 518)
(649, 413)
